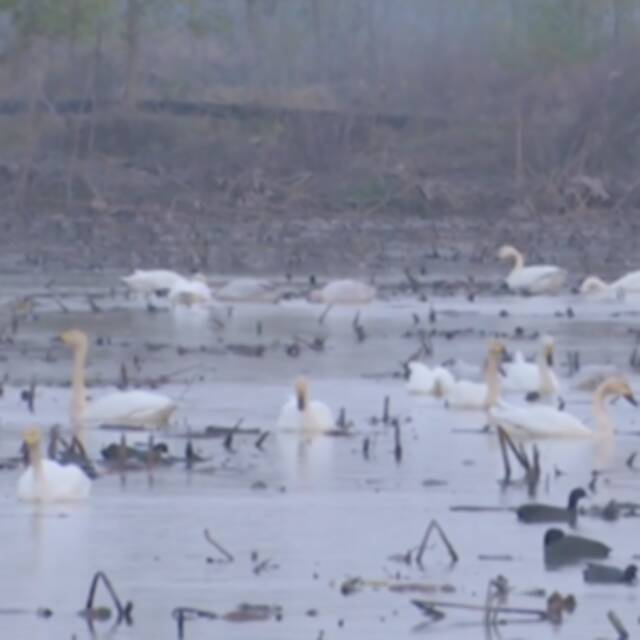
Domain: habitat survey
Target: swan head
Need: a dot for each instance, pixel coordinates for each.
(496, 350)
(592, 284)
(32, 437)
(617, 386)
(507, 251)
(302, 393)
(75, 338)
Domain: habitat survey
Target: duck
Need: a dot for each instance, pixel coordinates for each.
(628, 283)
(47, 480)
(465, 394)
(561, 549)
(247, 290)
(344, 292)
(190, 293)
(529, 377)
(535, 512)
(304, 415)
(427, 381)
(596, 573)
(533, 279)
(149, 281)
(134, 408)
(548, 422)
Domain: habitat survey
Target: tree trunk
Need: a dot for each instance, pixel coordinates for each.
(132, 42)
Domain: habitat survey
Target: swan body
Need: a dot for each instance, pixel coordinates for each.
(532, 279)
(247, 290)
(630, 282)
(47, 480)
(548, 422)
(190, 293)
(344, 292)
(134, 408)
(527, 377)
(309, 416)
(424, 380)
(152, 280)
(465, 394)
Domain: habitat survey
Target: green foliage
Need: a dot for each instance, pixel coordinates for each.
(55, 18)
(546, 34)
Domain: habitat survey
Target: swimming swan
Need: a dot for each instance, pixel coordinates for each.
(247, 290)
(424, 380)
(152, 280)
(629, 283)
(190, 293)
(135, 408)
(308, 416)
(48, 481)
(344, 292)
(521, 375)
(548, 422)
(540, 278)
(465, 394)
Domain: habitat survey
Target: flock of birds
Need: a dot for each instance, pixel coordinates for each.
(542, 416)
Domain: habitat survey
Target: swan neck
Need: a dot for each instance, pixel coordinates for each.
(492, 380)
(546, 380)
(78, 388)
(604, 424)
(35, 459)
(518, 260)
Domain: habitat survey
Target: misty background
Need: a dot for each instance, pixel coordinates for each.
(176, 115)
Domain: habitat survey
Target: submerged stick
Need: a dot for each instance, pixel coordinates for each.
(426, 605)
(615, 621)
(90, 612)
(433, 525)
(227, 556)
(182, 614)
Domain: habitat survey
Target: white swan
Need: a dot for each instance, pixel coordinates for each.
(247, 290)
(134, 408)
(152, 280)
(540, 278)
(465, 394)
(190, 293)
(308, 416)
(424, 380)
(548, 422)
(344, 292)
(628, 283)
(48, 481)
(521, 375)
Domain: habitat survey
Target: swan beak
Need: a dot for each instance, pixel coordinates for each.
(502, 371)
(550, 359)
(629, 397)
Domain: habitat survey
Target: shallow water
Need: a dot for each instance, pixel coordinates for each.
(319, 519)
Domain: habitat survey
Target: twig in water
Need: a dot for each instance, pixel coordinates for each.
(324, 314)
(261, 438)
(358, 328)
(433, 525)
(366, 445)
(621, 630)
(228, 440)
(631, 460)
(182, 614)
(228, 558)
(124, 377)
(91, 613)
(385, 410)
(397, 447)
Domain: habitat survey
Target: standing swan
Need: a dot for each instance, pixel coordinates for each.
(539, 278)
(48, 481)
(134, 408)
(538, 377)
(308, 416)
(465, 394)
(628, 283)
(548, 422)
